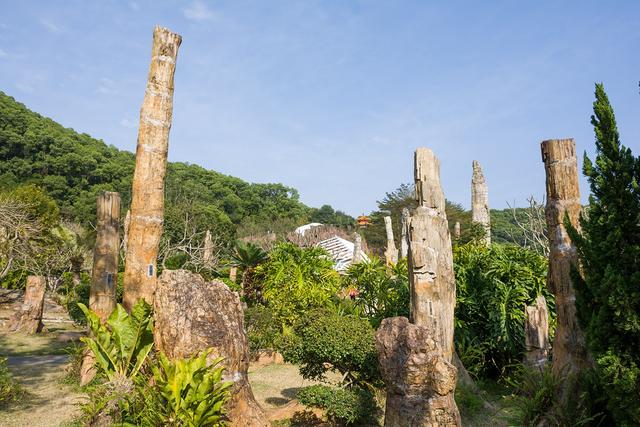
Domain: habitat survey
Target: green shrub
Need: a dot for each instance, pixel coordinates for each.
(380, 291)
(79, 295)
(493, 285)
(343, 406)
(10, 390)
(296, 280)
(122, 345)
(189, 392)
(325, 341)
(263, 330)
(15, 279)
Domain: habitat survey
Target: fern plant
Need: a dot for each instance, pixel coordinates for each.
(120, 346)
(190, 392)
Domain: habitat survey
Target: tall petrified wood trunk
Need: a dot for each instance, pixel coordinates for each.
(208, 248)
(536, 333)
(192, 315)
(147, 197)
(456, 231)
(125, 237)
(404, 233)
(391, 254)
(431, 276)
(28, 317)
(563, 198)
(480, 202)
(102, 296)
(357, 248)
(416, 358)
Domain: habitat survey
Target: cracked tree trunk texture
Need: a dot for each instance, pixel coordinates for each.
(192, 315)
(391, 254)
(480, 202)
(563, 198)
(536, 333)
(127, 221)
(404, 236)
(28, 317)
(102, 296)
(147, 197)
(357, 248)
(420, 381)
(431, 275)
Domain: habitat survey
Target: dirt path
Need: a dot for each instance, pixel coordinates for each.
(50, 402)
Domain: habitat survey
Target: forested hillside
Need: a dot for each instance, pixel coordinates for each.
(74, 168)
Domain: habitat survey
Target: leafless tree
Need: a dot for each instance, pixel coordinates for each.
(532, 223)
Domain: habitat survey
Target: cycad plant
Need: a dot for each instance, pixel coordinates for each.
(247, 256)
(120, 346)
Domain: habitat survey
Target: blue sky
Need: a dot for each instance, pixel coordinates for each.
(332, 97)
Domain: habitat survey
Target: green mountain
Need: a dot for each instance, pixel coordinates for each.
(74, 168)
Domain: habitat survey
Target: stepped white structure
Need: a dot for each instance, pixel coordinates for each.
(341, 250)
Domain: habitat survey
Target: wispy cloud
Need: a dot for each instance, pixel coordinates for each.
(52, 27)
(128, 123)
(199, 11)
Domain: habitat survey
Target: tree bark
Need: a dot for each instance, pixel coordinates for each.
(28, 318)
(563, 199)
(480, 202)
(125, 238)
(391, 254)
(431, 276)
(536, 333)
(147, 196)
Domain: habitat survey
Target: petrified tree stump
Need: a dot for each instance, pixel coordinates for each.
(125, 237)
(208, 249)
(357, 248)
(391, 254)
(404, 233)
(563, 198)
(420, 379)
(480, 202)
(28, 318)
(192, 315)
(233, 274)
(456, 231)
(536, 333)
(147, 196)
(102, 296)
(431, 276)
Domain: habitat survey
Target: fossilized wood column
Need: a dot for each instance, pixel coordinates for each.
(233, 274)
(456, 231)
(147, 196)
(420, 381)
(28, 317)
(208, 248)
(102, 296)
(391, 254)
(125, 238)
(563, 198)
(357, 248)
(404, 230)
(480, 202)
(536, 333)
(431, 276)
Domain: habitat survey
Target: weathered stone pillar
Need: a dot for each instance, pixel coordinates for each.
(192, 315)
(480, 202)
(102, 298)
(104, 277)
(536, 333)
(208, 248)
(233, 274)
(431, 276)
(28, 318)
(420, 381)
(563, 198)
(125, 237)
(391, 254)
(404, 230)
(147, 196)
(357, 248)
(456, 231)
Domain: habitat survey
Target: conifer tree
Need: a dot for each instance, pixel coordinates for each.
(608, 299)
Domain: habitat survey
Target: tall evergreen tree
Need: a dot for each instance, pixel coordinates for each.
(608, 299)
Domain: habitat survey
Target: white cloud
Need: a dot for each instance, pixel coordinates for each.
(198, 11)
(128, 123)
(52, 27)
